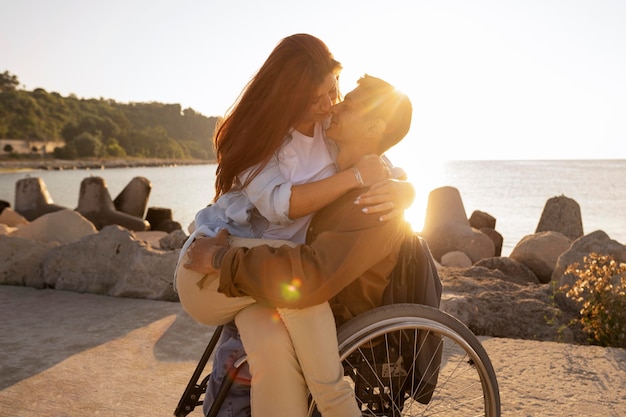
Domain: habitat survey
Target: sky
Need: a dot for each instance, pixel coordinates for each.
(489, 79)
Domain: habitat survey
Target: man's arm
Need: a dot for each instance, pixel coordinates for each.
(349, 245)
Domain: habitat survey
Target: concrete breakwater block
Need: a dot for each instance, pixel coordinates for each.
(133, 199)
(447, 229)
(160, 218)
(32, 198)
(95, 204)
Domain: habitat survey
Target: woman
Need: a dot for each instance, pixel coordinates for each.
(275, 169)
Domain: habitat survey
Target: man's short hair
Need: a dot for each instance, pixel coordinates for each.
(389, 104)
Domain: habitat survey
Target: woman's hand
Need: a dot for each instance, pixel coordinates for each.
(390, 197)
(372, 169)
(201, 252)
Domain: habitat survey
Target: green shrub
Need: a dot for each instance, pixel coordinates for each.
(600, 288)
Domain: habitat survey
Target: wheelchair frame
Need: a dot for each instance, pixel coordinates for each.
(402, 359)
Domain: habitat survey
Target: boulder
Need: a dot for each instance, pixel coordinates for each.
(111, 262)
(491, 304)
(540, 252)
(20, 261)
(64, 226)
(447, 229)
(596, 242)
(151, 237)
(456, 258)
(480, 219)
(6, 230)
(160, 218)
(174, 240)
(11, 218)
(561, 214)
(169, 226)
(496, 238)
(511, 270)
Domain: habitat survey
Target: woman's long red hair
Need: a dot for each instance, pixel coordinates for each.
(274, 100)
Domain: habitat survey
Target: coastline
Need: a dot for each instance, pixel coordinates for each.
(17, 165)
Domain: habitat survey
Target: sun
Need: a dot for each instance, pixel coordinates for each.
(424, 171)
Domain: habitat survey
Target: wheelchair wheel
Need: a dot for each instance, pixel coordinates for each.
(414, 360)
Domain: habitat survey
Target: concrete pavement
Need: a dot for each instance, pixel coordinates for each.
(65, 354)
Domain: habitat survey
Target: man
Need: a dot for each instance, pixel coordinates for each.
(347, 259)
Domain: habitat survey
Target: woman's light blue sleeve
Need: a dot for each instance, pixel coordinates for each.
(270, 192)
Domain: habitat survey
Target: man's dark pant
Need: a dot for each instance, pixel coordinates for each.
(229, 349)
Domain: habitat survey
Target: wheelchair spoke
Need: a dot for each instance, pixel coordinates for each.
(410, 360)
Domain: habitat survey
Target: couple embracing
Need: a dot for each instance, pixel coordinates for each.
(304, 231)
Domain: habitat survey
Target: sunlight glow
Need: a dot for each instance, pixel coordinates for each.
(425, 172)
(544, 78)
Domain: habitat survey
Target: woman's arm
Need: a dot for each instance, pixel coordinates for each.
(279, 201)
(310, 197)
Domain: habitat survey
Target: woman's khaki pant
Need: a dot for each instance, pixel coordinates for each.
(289, 350)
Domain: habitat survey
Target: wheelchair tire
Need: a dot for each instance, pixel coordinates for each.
(413, 360)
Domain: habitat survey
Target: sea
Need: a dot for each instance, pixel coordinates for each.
(513, 192)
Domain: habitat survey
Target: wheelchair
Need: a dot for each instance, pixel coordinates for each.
(402, 360)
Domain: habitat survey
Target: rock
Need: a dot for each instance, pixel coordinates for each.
(561, 214)
(163, 240)
(170, 226)
(6, 230)
(11, 218)
(457, 259)
(496, 238)
(160, 218)
(151, 237)
(133, 199)
(540, 252)
(511, 270)
(446, 228)
(64, 226)
(20, 261)
(596, 242)
(480, 219)
(491, 304)
(113, 263)
(174, 240)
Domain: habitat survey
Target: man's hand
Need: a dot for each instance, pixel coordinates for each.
(201, 253)
(372, 169)
(390, 197)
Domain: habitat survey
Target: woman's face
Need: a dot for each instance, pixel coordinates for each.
(325, 97)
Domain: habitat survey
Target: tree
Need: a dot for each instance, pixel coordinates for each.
(8, 148)
(8, 82)
(66, 152)
(87, 145)
(112, 148)
(148, 130)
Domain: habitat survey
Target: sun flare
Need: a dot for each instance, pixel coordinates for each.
(424, 173)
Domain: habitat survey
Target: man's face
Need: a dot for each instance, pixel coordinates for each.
(325, 96)
(348, 118)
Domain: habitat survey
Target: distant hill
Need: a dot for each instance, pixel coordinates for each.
(101, 127)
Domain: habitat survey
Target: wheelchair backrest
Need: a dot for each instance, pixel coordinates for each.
(414, 279)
